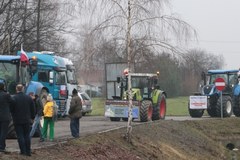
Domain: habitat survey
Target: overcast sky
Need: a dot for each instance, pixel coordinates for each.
(218, 25)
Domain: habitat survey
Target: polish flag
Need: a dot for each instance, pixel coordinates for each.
(23, 56)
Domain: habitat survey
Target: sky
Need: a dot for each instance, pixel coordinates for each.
(217, 23)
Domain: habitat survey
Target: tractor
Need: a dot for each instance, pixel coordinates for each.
(149, 102)
(210, 96)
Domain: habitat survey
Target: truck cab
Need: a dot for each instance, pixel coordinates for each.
(51, 73)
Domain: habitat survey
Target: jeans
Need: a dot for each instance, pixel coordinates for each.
(3, 134)
(74, 127)
(36, 127)
(24, 140)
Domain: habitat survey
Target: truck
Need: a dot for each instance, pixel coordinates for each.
(149, 102)
(71, 80)
(51, 73)
(209, 97)
(14, 70)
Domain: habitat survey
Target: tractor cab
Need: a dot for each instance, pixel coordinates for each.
(229, 76)
(142, 85)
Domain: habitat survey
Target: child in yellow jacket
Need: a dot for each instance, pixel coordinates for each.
(48, 121)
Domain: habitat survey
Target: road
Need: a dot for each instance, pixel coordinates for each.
(88, 125)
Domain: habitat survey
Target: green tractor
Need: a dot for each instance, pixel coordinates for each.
(149, 102)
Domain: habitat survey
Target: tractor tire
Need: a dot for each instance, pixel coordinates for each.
(159, 110)
(11, 131)
(195, 113)
(236, 106)
(146, 110)
(226, 105)
(212, 112)
(115, 119)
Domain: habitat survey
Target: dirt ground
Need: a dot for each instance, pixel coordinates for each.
(159, 140)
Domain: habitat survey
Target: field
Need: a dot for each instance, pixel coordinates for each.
(175, 106)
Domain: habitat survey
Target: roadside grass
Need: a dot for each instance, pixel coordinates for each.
(175, 106)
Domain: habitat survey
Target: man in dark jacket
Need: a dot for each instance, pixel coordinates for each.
(38, 116)
(75, 113)
(5, 116)
(22, 113)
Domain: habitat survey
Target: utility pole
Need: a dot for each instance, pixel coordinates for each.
(130, 105)
(38, 25)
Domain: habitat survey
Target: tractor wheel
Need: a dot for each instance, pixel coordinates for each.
(115, 119)
(212, 112)
(236, 106)
(226, 105)
(146, 111)
(11, 131)
(195, 113)
(159, 110)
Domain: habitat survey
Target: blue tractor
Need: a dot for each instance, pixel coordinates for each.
(209, 91)
(13, 71)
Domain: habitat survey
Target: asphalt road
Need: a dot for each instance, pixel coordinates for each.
(88, 125)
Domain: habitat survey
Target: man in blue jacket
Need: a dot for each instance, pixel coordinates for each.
(5, 116)
(23, 113)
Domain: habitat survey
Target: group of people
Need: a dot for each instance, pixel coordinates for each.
(24, 109)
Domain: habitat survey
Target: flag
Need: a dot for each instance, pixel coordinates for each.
(23, 56)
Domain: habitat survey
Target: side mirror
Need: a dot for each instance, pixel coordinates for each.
(51, 75)
(118, 79)
(203, 76)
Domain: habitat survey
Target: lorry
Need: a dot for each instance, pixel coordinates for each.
(51, 73)
(14, 70)
(209, 97)
(149, 102)
(71, 80)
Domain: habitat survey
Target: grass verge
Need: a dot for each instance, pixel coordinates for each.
(175, 106)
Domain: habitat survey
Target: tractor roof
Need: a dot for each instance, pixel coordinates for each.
(222, 71)
(9, 58)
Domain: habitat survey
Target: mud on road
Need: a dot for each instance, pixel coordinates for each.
(168, 139)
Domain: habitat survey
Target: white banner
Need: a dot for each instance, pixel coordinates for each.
(198, 102)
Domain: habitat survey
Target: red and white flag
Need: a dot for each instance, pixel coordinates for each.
(23, 56)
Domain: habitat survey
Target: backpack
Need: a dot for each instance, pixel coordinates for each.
(55, 111)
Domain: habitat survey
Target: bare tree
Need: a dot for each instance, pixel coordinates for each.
(142, 18)
(38, 25)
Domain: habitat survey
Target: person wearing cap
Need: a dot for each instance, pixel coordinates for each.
(5, 115)
(47, 118)
(75, 113)
(23, 114)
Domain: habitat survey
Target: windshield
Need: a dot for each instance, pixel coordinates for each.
(139, 82)
(8, 72)
(61, 77)
(71, 78)
(229, 79)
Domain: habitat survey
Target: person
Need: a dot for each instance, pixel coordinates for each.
(5, 115)
(22, 113)
(75, 113)
(47, 120)
(36, 126)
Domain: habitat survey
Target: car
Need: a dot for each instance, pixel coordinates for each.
(86, 103)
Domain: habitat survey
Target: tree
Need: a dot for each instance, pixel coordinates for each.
(195, 62)
(18, 21)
